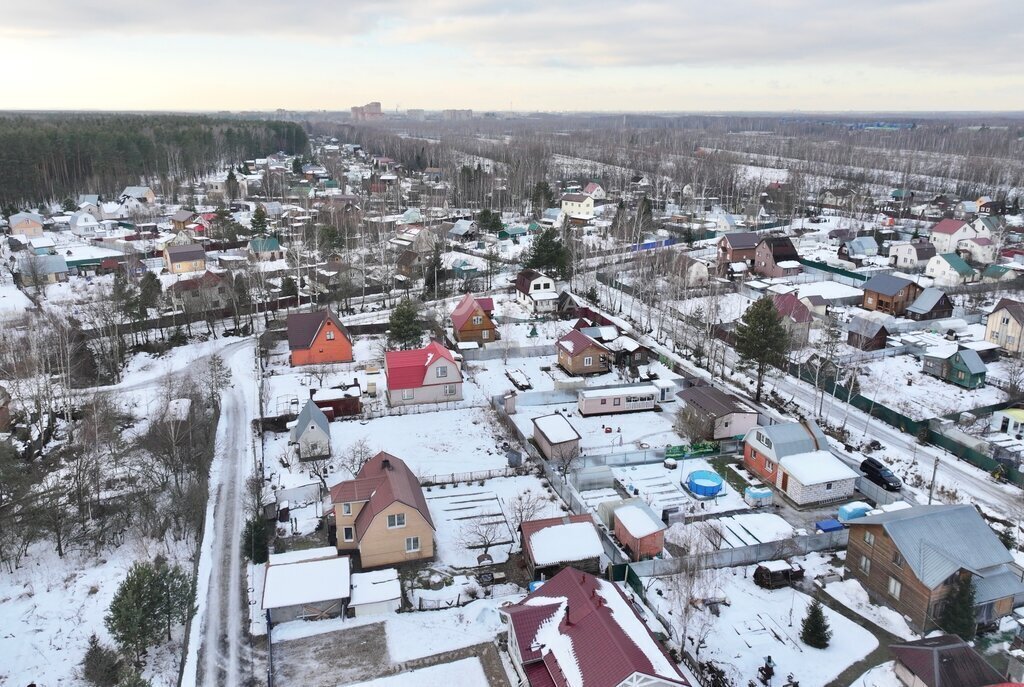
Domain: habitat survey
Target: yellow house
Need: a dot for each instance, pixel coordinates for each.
(1005, 325)
(185, 258)
(577, 204)
(382, 515)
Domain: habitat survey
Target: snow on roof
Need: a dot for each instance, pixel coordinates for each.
(556, 428)
(574, 541)
(619, 391)
(544, 295)
(316, 554)
(375, 586)
(789, 264)
(634, 628)
(816, 467)
(637, 521)
(307, 582)
(776, 566)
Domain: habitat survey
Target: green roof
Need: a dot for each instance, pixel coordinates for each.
(264, 245)
(995, 271)
(958, 263)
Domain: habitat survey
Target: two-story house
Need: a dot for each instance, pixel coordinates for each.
(1005, 325)
(910, 560)
(776, 256)
(536, 291)
(579, 354)
(311, 434)
(422, 375)
(184, 258)
(949, 269)
(578, 204)
(911, 256)
(471, 320)
(28, 224)
(595, 191)
(948, 233)
(889, 294)
(382, 515)
(318, 338)
(736, 248)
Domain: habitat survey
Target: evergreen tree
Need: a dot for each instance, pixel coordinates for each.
(490, 222)
(133, 618)
(174, 596)
(435, 283)
(761, 340)
(289, 288)
(815, 631)
(232, 184)
(259, 220)
(541, 197)
(68, 205)
(101, 666)
(405, 331)
(957, 616)
(254, 540)
(297, 165)
(548, 254)
(149, 291)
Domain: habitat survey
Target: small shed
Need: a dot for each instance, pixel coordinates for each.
(776, 574)
(306, 589)
(311, 433)
(639, 529)
(375, 593)
(554, 543)
(339, 401)
(758, 497)
(555, 437)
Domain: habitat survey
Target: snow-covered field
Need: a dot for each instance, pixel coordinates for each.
(731, 531)
(726, 307)
(851, 594)
(879, 676)
(13, 302)
(468, 672)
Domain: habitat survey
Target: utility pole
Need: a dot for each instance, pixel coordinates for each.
(931, 489)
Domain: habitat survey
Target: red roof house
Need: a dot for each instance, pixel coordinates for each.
(471, 320)
(423, 375)
(796, 317)
(579, 354)
(578, 629)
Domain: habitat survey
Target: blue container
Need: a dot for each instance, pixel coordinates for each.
(704, 484)
(852, 511)
(829, 525)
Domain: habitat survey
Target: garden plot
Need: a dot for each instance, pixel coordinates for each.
(468, 517)
(495, 377)
(605, 434)
(722, 308)
(886, 381)
(851, 594)
(663, 488)
(468, 672)
(595, 497)
(744, 529)
(759, 622)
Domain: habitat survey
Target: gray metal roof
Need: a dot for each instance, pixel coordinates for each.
(42, 264)
(972, 361)
(311, 414)
(712, 401)
(886, 284)
(791, 438)
(924, 303)
(865, 326)
(997, 583)
(937, 541)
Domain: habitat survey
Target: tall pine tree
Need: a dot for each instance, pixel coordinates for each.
(957, 616)
(405, 331)
(547, 253)
(761, 340)
(815, 631)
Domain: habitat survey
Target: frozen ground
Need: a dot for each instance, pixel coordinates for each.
(759, 622)
(726, 307)
(629, 431)
(13, 302)
(727, 532)
(851, 594)
(468, 672)
(879, 676)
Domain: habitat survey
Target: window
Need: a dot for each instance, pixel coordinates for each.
(478, 320)
(865, 564)
(588, 361)
(442, 371)
(348, 533)
(1005, 320)
(412, 544)
(330, 336)
(396, 520)
(346, 509)
(959, 374)
(617, 402)
(1009, 340)
(869, 538)
(828, 486)
(407, 394)
(449, 389)
(870, 300)
(725, 424)
(485, 335)
(995, 337)
(897, 559)
(769, 466)
(895, 588)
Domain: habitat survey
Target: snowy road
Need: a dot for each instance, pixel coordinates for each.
(219, 651)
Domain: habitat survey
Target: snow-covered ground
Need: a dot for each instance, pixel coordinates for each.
(468, 672)
(13, 302)
(629, 431)
(732, 531)
(663, 488)
(879, 676)
(851, 594)
(726, 307)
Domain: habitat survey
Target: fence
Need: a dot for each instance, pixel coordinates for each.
(743, 555)
(477, 476)
(844, 276)
(500, 351)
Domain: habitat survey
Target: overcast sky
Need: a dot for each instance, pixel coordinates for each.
(529, 55)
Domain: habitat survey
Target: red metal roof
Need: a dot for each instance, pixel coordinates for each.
(790, 306)
(467, 307)
(382, 481)
(948, 226)
(406, 369)
(575, 342)
(604, 653)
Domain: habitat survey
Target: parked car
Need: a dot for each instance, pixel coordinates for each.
(876, 472)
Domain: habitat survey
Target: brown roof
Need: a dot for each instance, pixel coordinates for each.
(186, 253)
(946, 661)
(532, 527)
(948, 226)
(741, 240)
(1015, 308)
(575, 197)
(466, 308)
(384, 480)
(206, 280)
(781, 248)
(788, 305)
(524, 278)
(575, 342)
(304, 326)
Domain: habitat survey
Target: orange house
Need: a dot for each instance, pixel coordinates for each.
(317, 338)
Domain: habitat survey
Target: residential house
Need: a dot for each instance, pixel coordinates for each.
(628, 353)
(408, 264)
(911, 559)
(382, 515)
(311, 434)
(943, 661)
(265, 249)
(690, 271)
(911, 256)
(555, 543)
(28, 224)
(776, 256)
(183, 219)
(595, 191)
(581, 628)
(142, 194)
(318, 338)
(463, 230)
(889, 294)
(423, 375)
(961, 367)
(998, 273)
(40, 270)
(310, 584)
(794, 457)
(639, 529)
(207, 292)
(816, 305)
(840, 198)
(1005, 325)
(577, 204)
(184, 258)
(948, 233)
(579, 354)
(471, 320)
(868, 332)
(980, 250)
(536, 291)
(796, 318)
(83, 224)
(858, 249)
(556, 438)
(932, 304)
(949, 269)
(725, 415)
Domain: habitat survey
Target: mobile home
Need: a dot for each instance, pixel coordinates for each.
(620, 399)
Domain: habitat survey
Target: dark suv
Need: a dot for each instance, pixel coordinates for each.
(876, 472)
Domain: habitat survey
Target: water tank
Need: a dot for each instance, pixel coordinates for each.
(704, 483)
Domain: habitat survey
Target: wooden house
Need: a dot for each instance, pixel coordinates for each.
(1005, 325)
(868, 332)
(422, 375)
(471, 320)
(962, 367)
(180, 259)
(555, 543)
(311, 434)
(889, 294)
(579, 354)
(932, 304)
(776, 256)
(318, 338)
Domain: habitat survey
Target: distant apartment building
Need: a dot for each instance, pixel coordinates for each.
(368, 112)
